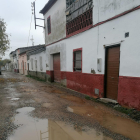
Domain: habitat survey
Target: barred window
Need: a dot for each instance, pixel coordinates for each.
(49, 24)
(77, 60)
(79, 23)
(69, 2)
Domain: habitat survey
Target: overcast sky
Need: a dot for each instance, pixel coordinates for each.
(17, 15)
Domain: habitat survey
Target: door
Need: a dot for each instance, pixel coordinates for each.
(56, 67)
(23, 66)
(28, 68)
(112, 72)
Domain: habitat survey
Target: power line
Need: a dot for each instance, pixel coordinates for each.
(30, 29)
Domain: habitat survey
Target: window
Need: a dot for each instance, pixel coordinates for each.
(41, 67)
(32, 63)
(69, 2)
(77, 60)
(49, 24)
(81, 22)
(36, 64)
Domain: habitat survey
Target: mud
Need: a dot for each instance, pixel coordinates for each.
(38, 129)
(64, 113)
(114, 123)
(73, 99)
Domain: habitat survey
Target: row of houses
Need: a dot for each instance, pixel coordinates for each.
(91, 46)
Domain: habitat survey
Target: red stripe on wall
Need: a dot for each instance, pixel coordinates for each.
(129, 91)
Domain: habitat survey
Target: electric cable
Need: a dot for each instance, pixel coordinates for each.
(29, 30)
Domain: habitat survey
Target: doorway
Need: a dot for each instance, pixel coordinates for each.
(112, 72)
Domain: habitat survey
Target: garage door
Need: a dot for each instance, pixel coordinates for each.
(56, 67)
(113, 62)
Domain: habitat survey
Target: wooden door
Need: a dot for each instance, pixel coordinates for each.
(56, 67)
(112, 72)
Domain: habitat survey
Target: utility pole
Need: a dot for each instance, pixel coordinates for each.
(32, 39)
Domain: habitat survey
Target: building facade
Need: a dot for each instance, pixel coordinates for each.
(37, 62)
(93, 47)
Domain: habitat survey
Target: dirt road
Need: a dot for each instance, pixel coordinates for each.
(33, 110)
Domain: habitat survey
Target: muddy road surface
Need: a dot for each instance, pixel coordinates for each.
(34, 110)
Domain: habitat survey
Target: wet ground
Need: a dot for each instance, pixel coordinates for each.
(34, 110)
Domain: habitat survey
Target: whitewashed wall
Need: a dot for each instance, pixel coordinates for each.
(92, 42)
(105, 9)
(59, 47)
(37, 57)
(58, 22)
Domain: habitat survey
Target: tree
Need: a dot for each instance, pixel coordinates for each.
(4, 38)
(3, 62)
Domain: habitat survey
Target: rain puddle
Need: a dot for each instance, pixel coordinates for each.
(15, 99)
(46, 105)
(43, 129)
(124, 126)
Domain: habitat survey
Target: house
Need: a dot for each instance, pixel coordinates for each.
(92, 47)
(36, 59)
(22, 58)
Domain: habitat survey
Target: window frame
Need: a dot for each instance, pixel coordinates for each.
(49, 18)
(76, 50)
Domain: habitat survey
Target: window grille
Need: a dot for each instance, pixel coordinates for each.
(81, 22)
(49, 25)
(77, 60)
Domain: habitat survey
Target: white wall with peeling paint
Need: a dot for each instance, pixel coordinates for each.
(58, 22)
(105, 9)
(37, 57)
(113, 32)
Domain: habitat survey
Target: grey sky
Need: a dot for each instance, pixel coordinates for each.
(17, 15)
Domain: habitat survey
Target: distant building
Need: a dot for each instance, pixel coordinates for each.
(22, 58)
(37, 62)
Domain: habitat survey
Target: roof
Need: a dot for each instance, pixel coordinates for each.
(36, 51)
(25, 49)
(48, 6)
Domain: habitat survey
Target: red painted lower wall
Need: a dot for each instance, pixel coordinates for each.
(128, 88)
(86, 83)
(129, 91)
(83, 82)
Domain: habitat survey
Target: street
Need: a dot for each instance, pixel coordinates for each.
(36, 110)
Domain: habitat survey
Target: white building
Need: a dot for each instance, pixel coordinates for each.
(93, 47)
(36, 60)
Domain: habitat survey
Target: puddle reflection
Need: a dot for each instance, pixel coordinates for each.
(43, 129)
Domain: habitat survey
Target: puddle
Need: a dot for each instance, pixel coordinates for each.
(37, 129)
(15, 99)
(9, 97)
(69, 109)
(124, 126)
(46, 105)
(73, 99)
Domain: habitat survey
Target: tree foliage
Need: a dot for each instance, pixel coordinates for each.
(4, 38)
(3, 62)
